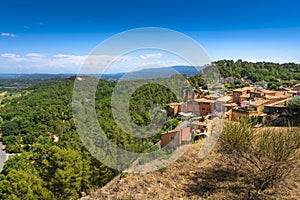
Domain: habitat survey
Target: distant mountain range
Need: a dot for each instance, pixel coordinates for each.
(149, 73)
(162, 72)
(35, 76)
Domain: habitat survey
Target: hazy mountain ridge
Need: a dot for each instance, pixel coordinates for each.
(188, 70)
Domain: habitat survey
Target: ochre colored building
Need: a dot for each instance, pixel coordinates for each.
(206, 106)
(239, 95)
(190, 106)
(176, 135)
(173, 109)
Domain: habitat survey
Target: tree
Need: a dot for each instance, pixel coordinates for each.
(64, 172)
(22, 185)
(10, 128)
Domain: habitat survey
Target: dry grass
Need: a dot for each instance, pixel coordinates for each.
(193, 178)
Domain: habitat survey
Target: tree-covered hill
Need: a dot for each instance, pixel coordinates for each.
(237, 74)
(48, 169)
(274, 74)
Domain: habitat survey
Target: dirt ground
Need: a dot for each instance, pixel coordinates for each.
(191, 177)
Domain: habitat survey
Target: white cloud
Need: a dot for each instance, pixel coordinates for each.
(35, 55)
(60, 63)
(38, 59)
(64, 59)
(7, 34)
(149, 56)
(26, 27)
(8, 55)
(12, 56)
(136, 63)
(102, 63)
(61, 56)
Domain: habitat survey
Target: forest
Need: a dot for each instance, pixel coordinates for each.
(43, 168)
(273, 74)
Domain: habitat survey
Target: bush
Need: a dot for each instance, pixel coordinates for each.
(279, 146)
(294, 102)
(263, 156)
(237, 136)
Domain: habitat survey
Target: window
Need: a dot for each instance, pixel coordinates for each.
(172, 138)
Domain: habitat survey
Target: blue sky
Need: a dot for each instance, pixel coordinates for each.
(56, 36)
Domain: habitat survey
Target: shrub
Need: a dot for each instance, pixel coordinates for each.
(294, 102)
(237, 136)
(263, 157)
(279, 146)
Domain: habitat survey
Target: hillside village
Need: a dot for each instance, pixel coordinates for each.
(254, 103)
(212, 177)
